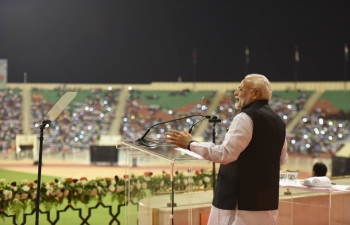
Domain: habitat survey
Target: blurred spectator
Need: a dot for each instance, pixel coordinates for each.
(319, 170)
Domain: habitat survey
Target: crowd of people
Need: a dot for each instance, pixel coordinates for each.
(84, 121)
(10, 117)
(287, 109)
(139, 116)
(81, 124)
(319, 132)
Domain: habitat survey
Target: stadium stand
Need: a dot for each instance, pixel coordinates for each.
(145, 108)
(318, 130)
(325, 128)
(81, 124)
(10, 117)
(287, 104)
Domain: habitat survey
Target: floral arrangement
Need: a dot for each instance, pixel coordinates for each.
(17, 197)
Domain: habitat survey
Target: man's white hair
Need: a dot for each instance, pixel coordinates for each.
(262, 83)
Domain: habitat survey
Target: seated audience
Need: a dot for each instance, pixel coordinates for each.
(319, 170)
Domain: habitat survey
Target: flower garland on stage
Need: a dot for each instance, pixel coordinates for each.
(17, 197)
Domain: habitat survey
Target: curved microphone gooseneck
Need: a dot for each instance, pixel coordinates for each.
(143, 141)
(206, 117)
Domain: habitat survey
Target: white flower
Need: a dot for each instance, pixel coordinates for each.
(84, 182)
(60, 185)
(138, 185)
(99, 189)
(111, 188)
(185, 182)
(2, 181)
(206, 179)
(144, 185)
(161, 183)
(113, 182)
(25, 188)
(7, 193)
(50, 190)
(200, 183)
(147, 178)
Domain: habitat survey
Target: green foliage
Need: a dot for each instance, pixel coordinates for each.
(16, 197)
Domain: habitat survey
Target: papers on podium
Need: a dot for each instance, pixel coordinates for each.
(188, 152)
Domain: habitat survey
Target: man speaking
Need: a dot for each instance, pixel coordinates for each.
(254, 148)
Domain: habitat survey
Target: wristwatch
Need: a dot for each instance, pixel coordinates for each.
(189, 145)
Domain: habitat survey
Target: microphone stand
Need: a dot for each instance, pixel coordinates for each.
(54, 112)
(214, 120)
(172, 203)
(37, 200)
(172, 197)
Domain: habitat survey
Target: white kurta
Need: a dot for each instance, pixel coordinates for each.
(236, 140)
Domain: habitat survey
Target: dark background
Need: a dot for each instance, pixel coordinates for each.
(141, 41)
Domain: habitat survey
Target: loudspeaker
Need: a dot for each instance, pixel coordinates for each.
(340, 166)
(106, 154)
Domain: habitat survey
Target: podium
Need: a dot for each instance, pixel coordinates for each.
(298, 204)
(179, 167)
(314, 205)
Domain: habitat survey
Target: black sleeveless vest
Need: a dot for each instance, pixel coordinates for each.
(252, 180)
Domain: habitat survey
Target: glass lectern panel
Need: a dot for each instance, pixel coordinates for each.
(165, 183)
(303, 206)
(299, 204)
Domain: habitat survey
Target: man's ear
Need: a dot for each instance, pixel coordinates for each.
(257, 93)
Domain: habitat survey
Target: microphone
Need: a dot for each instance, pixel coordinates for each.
(206, 117)
(214, 119)
(151, 144)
